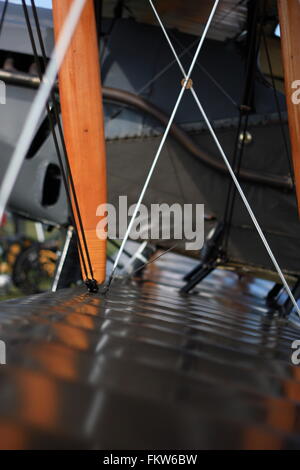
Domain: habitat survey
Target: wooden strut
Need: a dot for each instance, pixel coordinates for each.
(289, 15)
(82, 114)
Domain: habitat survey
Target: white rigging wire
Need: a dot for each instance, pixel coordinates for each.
(39, 103)
(248, 207)
(137, 207)
(166, 68)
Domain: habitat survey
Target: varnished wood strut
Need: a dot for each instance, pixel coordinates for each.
(289, 14)
(83, 122)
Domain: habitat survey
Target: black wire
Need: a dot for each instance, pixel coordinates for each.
(52, 122)
(253, 48)
(238, 150)
(155, 259)
(61, 134)
(54, 118)
(57, 115)
(3, 15)
(288, 155)
(98, 6)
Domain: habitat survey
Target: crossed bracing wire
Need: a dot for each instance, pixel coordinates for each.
(164, 138)
(40, 102)
(186, 81)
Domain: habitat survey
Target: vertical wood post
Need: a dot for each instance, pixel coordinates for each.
(289, 15)
(82, 114)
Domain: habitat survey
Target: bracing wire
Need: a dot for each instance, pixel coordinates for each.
(158, 153)
(236, 182)
(52, 122)
(288, 155)
(244, 112)
(34, 116)
(3, 14)
(39, 103)
(166, 68)
(187, 50)
(67, 175)
(152, 261)
(206, 72)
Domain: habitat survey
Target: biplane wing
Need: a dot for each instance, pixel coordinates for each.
(146, 368)
(188, 16)
(140, 365)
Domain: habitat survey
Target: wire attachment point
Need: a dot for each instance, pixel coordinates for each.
(92, 285)
(187, 84)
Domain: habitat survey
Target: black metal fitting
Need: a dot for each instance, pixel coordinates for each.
(92, 286)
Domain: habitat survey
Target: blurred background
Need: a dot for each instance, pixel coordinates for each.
(28, 256)
(39, 3)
